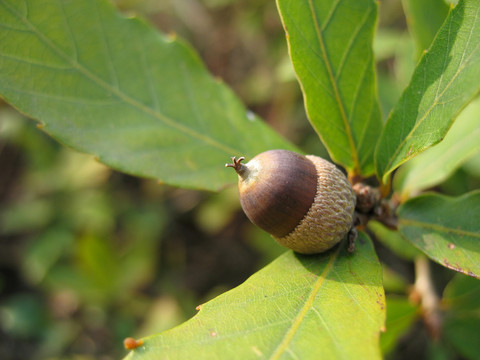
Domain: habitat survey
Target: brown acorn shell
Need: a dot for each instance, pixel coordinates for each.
(305, 202)
(278, 190)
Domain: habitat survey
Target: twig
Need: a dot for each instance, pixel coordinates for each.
(428, 298)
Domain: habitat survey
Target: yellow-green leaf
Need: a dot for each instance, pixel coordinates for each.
(445, 80)
(329, 306)
(330, 44)
(445, 228)
(439, 162)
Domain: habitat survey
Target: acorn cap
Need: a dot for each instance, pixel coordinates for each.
(305, 202)
(330, 217)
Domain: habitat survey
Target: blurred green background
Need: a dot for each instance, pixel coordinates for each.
(89, 256)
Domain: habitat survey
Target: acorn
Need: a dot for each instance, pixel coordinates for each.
(305, 202)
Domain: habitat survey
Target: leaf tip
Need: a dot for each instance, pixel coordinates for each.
(130, 343)
(172, 36)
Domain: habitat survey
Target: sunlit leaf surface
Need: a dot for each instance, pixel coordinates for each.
(330, 44)
(445, 80)
(445, 228)
(141, 102)
(304, 307)
(439, 162)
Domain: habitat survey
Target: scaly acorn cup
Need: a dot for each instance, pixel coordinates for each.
(304, 202)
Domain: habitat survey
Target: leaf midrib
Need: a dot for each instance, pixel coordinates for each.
(460, 68)
(121, 95)
(439, 228)
(334, 84)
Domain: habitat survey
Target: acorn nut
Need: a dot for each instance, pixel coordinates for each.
(304, 202)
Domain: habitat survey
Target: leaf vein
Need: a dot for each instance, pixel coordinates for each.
(462, 65)
(121, 95)
(334, 84)
(330, 15)
(352, 296)
(309, 303)
(327, 327)
(366, 124)
(148, 79)
(107, 50)
(73, 100)
(36, 63)
(350, 43)
(441, 228)
(69, 30)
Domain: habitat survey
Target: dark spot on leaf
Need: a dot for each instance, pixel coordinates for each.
(455, 267)
(380, 302)
(472, 274)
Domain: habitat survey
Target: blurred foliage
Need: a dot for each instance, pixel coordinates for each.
(89, 256)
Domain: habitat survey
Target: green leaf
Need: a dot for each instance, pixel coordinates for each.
(462, 318)
(445, 228)
(393, 240)
(330, 45)
(396, 47)
(439, 162)
(445, 80)
(424, 18)
(330, 305)
(98, 262)
(141, 102)
(462, 332)
(400, 316)
(472, 166)
(44, 251)
(462, 294)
